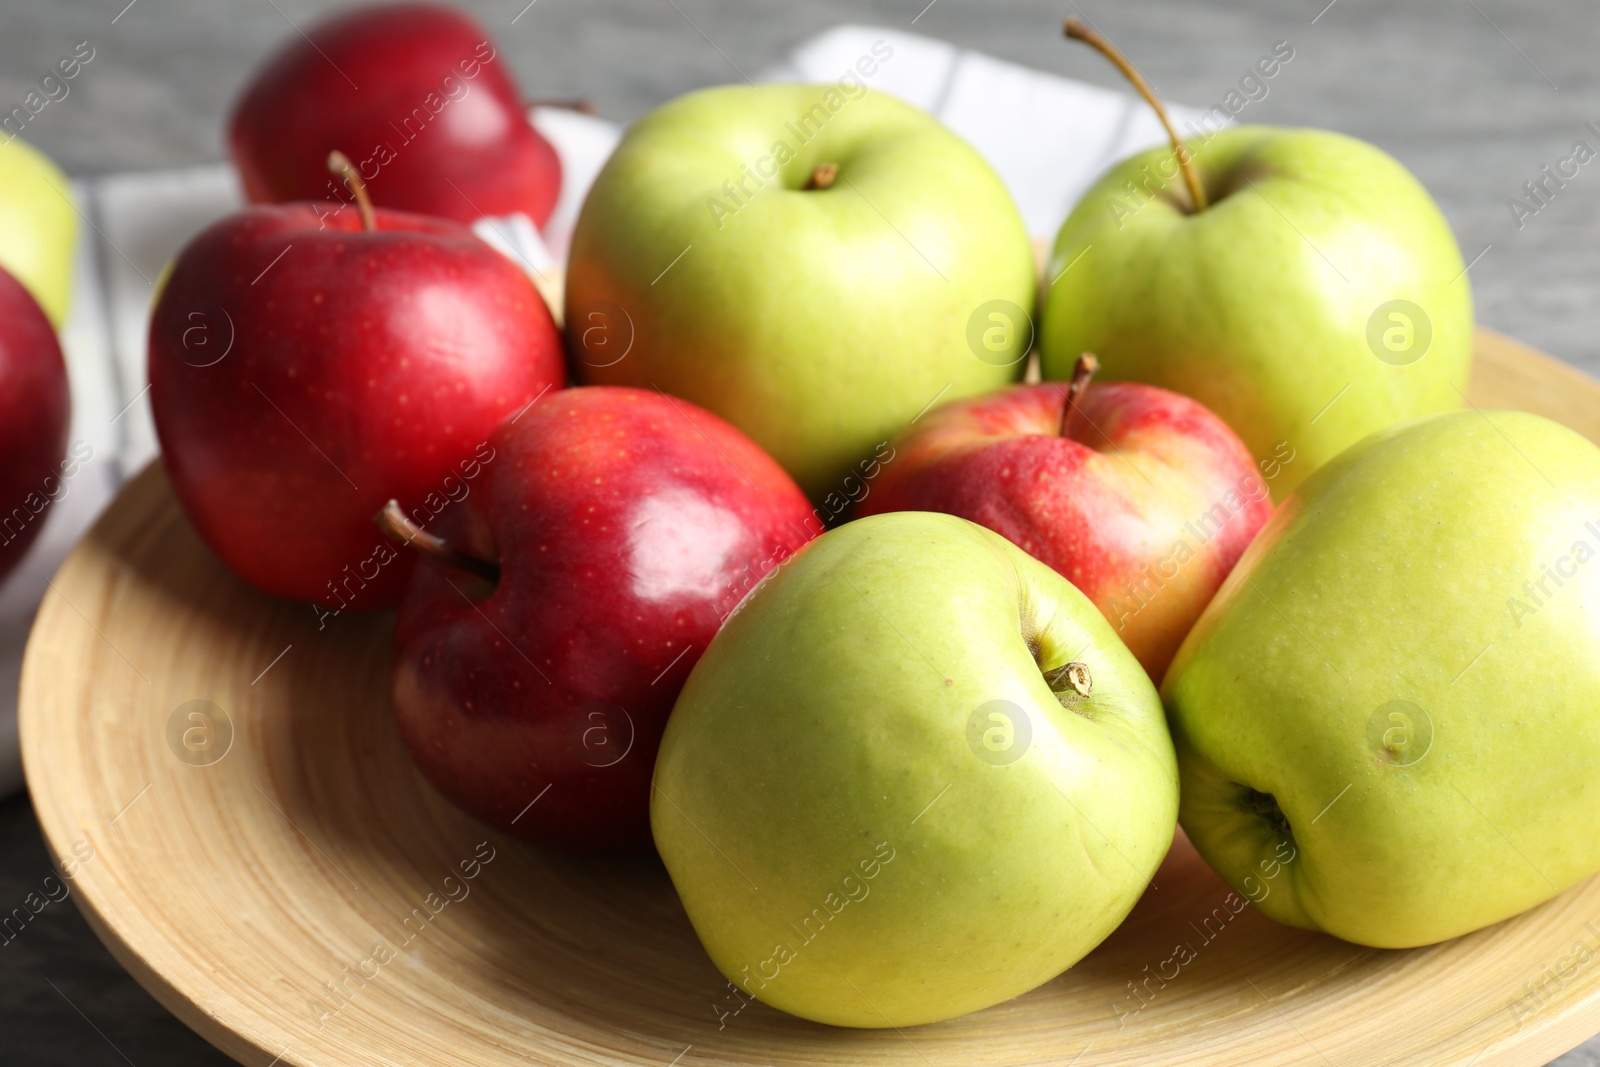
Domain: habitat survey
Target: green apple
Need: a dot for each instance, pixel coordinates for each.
(1319, 295)
(38, 226)
(718, 258)
(1386, 720)
(914, 775)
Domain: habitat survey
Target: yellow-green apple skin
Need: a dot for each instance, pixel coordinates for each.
(819, 321)
(1319, 297)
(855, 837)
(1399, 686)
(38, 227)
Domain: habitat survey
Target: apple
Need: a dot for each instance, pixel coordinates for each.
(915, 774)
(810, 262)
(305, 367)
(1395, 690)
(38, 226)
(1140, 497)
(417, 95)
(538, 657)
(35, 413)
(1315, 295)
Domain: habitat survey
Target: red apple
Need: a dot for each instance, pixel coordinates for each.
(304, 370)
(35, 411)
(612, 532)
(417, 96)
(1140, 497)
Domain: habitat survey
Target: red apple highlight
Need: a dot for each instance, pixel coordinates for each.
(1142, 498)
(537, 662)
(417, 95)
(303, 371)
(35, 412)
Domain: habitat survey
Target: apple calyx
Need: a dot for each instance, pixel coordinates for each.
(823, 177)
(1082, 371)
(1074, 676)
(1077, 30)
(394, 522)
(340, 165)
(1264, 806)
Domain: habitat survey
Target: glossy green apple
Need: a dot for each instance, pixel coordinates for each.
(820, 321)
(1318, 297)
(1399, 686)
(38, 226)
(914, 775)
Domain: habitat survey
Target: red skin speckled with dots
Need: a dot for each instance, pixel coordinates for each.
(303, 375)
(627, 525)
(1145, 504)
(35, 411)
(418, 97)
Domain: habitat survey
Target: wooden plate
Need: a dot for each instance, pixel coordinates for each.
(304, 899)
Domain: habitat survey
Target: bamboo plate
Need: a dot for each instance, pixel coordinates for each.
(289, 900)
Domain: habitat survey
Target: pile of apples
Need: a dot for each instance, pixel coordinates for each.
(801, 585)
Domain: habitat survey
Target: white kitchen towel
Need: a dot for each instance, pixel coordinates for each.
(1047, 136)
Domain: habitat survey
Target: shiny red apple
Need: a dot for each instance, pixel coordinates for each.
(303, 371)
(1142, 498)
(417, 96)
(536, 662)
(35, 412)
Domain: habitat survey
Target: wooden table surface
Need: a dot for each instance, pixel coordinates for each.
(1475, 96)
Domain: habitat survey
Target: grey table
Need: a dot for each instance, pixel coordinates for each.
(1475, 96)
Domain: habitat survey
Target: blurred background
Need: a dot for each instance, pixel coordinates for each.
(1474, 96)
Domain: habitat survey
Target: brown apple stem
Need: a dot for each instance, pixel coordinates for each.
(1076, 29)
(1074, 676)
(340, 165)
(394, 522)
(823, 176)
(578, 104)
(1082, 371)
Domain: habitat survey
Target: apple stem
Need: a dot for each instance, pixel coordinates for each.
(394, 522)
(1074, 675)
(1082, 371)
(578, 104)
(823, 176)
(1076, 29)
(341, 166)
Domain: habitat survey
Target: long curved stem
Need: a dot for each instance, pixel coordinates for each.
(340, 165)
(394, 522)
(1078, 31)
